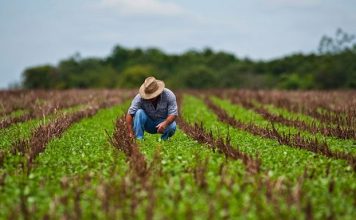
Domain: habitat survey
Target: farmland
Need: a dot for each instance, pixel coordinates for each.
(236, 154)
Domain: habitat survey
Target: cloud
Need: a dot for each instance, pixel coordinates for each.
(144, 7)
(294, 3)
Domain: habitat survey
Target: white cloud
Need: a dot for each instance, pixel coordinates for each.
(302, 3)
(144, 7)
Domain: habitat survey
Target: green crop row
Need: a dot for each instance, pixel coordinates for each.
(249, 116)
(225, 189)
(23, 130)
(80, 175)
(298, 115)
(289, 114)
(82, 150)
(16, 113)
(287, 162)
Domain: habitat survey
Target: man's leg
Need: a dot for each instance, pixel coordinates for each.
(143, 123)
(169, 131)
(139, 122)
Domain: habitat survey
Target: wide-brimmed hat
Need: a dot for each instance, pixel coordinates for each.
(151, 88)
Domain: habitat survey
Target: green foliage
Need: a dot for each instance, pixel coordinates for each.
(247, 115)
(283, 161)
(39, 77)
(135, 75)
(332, 68)
(198, 77)
(81, 176)
(342, 41)
(296, 81)
(83, 150)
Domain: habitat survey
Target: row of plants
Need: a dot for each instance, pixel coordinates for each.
(141, 191)
(277, 191)
(42, 103)
(13, 100)
(311, 126)
(330, 107)
(331, 147)
(20, 168)
(288, 163)
(201, 182)
(208, 170)
(272, 195)
(23, 131)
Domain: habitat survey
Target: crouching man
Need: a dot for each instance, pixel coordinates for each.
(153, 110)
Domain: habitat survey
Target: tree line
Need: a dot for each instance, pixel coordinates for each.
(332, 67)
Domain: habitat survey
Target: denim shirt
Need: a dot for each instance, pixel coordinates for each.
(167, 105)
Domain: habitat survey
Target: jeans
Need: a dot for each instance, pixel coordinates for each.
(144, 123)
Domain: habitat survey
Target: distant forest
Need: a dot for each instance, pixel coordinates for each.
(332, 67)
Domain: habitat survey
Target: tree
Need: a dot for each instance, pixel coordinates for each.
(133, 76)
(40, 77)
(198, 77)
(332, 68)
(118, 57)
(342, 41)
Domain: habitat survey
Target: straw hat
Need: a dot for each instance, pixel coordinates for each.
(151, 88)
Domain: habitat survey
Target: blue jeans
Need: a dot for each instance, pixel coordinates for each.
(144, 123)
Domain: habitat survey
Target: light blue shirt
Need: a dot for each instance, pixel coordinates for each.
(167, 105)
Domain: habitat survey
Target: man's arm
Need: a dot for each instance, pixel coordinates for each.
(129, 118)
(135, 105)
(162, 126)
(172, 112)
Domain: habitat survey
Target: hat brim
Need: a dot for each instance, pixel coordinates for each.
(144, 95)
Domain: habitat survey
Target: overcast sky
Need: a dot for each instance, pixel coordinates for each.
(34, 32)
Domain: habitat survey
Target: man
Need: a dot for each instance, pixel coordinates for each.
(153, 110)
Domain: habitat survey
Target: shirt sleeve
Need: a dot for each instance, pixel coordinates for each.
(135, 105)
(172, 104)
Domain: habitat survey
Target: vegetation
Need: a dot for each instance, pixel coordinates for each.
(235, 154)
(332, 67)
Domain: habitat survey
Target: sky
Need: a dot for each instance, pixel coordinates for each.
(37, 32)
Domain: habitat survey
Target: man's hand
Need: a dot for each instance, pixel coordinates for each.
(131, 134)
(129, 125)
(161, 127)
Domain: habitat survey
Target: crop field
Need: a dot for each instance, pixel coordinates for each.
(236, 154)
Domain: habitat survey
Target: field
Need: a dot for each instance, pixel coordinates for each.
(236, 154)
